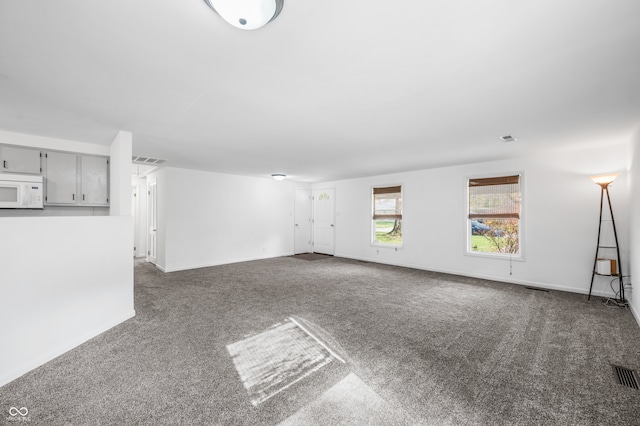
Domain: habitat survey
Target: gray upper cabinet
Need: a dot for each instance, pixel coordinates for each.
(94, 180)
(76, 179)
(19, 160)
(61, 177)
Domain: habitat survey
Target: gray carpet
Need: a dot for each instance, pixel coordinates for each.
(311, 256)
(420, 348)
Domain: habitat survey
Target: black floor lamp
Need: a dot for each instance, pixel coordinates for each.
(604, 181)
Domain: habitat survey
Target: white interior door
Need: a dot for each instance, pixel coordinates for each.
(152, 221)
(302, 220)
(135, 212)
(323, 221)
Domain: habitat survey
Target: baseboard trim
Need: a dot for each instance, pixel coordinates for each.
(42, 359)
(547, 286)
(225, 262)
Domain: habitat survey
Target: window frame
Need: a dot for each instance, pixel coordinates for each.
(372, 221)
(521, 220)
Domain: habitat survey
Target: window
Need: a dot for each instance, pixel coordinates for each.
(387, 216)
(494, 215)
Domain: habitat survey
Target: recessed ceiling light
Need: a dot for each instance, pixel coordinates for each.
(508, 138)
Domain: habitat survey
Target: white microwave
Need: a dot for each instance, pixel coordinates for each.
(20, 191)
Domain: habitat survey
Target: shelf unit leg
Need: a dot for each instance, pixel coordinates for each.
(595, 261)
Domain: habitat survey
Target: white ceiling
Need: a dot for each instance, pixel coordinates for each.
(331, 89)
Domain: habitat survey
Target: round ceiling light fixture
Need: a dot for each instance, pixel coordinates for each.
(278, 176)
(247, 14)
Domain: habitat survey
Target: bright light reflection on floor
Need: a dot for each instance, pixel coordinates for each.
(350, 402)
(275, 359)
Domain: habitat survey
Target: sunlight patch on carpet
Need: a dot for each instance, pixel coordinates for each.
(275, 359)
(350, 402)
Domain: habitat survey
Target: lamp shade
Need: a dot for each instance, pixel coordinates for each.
(247, 14)
(604, 180)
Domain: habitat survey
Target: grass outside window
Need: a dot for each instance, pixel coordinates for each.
(388, 232)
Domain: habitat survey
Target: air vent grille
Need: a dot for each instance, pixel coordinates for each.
(625, 377)
(537, 289)
(147, 161)
(508, 138)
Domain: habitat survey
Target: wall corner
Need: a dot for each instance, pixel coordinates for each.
(120, 168)
(634, 211)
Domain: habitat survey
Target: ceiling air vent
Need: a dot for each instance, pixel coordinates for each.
(145, 165)
(147, 161)
(508, 138)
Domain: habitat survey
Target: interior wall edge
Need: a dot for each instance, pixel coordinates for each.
(635, 313)
(53, 353)
(634, 212)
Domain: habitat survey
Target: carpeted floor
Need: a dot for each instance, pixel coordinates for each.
(419, 348)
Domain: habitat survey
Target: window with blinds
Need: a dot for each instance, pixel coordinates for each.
(494, 214)
(494, 198)
(387, 215)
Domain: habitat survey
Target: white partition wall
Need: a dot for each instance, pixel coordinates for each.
(64, 281)
(65, 278)
(120, 153)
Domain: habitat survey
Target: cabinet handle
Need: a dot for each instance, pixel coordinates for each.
(4, 164)
(73, 197)
(82, 197)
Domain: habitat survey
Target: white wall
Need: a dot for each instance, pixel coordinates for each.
(209, 219)
(120, 176)
(64, 279)
(560, 218)
(634, 233)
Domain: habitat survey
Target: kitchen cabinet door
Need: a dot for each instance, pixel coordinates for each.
(19, 160)
(94, 180)
(61, 178)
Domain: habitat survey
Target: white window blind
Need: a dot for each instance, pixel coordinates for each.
(495, 198)
(387, 203)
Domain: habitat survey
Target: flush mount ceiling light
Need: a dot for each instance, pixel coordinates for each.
(278, 176)
(247, 14)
